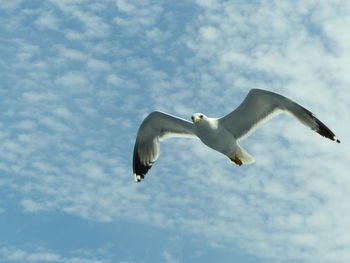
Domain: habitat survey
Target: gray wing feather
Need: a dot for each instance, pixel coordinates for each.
(155, 126)
(260, 104)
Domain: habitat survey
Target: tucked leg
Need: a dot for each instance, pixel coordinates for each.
(236, 160)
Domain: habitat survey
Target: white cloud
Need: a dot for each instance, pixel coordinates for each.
(54, 124)
(98, 65)
(48, 20)
(114, 80)
(208, 33)
(13, 254)
(25, 125)
(168, 257)
(140, 15)
(10, 5)
(34, 97)
(125, 6)
(26, 51)
(95, 26)
(63, 112)
(72, 54)
(68, 5)
(30, 205)
(211, 4)
(73, 79)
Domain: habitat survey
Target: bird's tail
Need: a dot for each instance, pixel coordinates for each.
(244, 156)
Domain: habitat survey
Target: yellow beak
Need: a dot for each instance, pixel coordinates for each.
(196, 120)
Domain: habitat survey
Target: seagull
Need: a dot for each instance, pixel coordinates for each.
(220, 134)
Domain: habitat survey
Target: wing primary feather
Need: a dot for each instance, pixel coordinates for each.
(139, 168)
(320, 127)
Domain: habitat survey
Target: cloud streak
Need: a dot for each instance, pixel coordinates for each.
(13, 254)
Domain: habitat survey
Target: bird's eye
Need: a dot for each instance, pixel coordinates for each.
(201, 116)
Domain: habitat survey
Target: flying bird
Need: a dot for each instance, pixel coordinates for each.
(221, 134)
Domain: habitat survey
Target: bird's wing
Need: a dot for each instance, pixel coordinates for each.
(260, 104)
(155, 126)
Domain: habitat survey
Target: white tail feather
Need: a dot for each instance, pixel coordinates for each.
(244, 156)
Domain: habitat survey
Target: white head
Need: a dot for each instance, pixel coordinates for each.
(198, 117)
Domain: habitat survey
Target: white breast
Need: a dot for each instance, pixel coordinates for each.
(215, 136)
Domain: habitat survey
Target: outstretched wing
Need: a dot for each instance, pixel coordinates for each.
(155, 126)
(260, 104)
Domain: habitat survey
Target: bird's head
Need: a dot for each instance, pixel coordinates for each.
(198, 117)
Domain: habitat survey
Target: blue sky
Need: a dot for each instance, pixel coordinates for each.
(79, 76)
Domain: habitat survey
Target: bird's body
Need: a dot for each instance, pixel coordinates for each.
(213, 134)
(220, 134)
(208, 132)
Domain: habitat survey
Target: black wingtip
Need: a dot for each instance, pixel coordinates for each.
(326, 132)
(138, 178)
(139, 168)
(323, 130)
